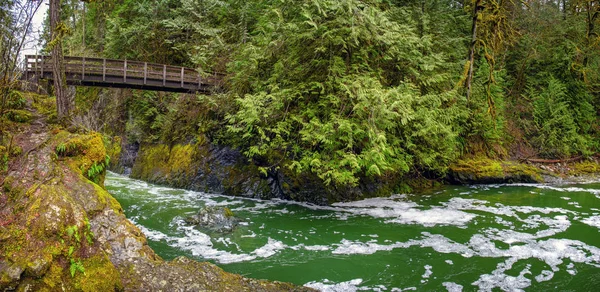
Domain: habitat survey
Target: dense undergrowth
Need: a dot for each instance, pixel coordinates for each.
(352, 91)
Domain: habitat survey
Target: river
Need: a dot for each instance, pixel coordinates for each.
(488, 237)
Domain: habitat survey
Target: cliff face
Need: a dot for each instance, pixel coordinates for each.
(61, 230)
(222, 170)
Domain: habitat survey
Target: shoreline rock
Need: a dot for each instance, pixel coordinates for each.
(61, 230)
(215, 219)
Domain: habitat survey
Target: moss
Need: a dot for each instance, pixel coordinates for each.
(53, 278)
(152, 159)
(105, 198)
(523, 170)
(161, 164)
(228, 212)
(485, 170)
(100, 275)
(19, 116)
(87, 153)
(44, 104)
(113, 150)
(418, 184)
(180, 159)
(16, 150)
(584, 167)
(480, 167)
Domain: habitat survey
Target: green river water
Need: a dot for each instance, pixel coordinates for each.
(488, 238)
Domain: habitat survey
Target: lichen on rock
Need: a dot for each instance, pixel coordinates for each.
(60, 230)
(485, 170)
(214, 218)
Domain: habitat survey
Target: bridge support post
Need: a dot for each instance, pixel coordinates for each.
(125, 72)
(103, 70)
(199, 80)
(83, 69)
(42, 75)
(182, 73)
(164, 75)
(145, 72)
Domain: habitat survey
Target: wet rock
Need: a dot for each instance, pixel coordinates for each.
(487, 171)
(217, 219)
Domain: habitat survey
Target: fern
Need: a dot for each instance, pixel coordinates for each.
(76, 266)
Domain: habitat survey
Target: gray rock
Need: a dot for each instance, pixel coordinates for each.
(217, 219)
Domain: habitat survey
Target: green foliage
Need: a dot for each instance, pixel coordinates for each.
(4, 162)
(352, 90)
(16, 100)
(484, 130)
(76, 266)
(19, 116)
(557, 132)
(73, 232)
(61, 149)
(149, 110)
(97, 169)
(328, 101)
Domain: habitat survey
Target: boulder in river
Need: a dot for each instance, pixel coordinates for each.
(213, 218)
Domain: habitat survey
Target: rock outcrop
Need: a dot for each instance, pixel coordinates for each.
(215, 219)
(61, 231)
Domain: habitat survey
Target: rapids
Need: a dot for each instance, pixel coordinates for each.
(510, 237)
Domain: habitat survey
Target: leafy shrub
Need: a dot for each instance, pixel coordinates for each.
(557, 132)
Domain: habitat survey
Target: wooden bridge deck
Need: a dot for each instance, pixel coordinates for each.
(102, 72)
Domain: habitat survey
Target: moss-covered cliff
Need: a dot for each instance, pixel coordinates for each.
(61, 230)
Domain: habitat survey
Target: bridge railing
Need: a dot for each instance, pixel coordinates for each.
(110, 70)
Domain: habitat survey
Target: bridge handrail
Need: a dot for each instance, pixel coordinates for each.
(83, 66)
(87, 59)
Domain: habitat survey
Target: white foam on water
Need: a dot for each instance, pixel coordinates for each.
(452, 287)
(556, 225)
(544, 276)
(402, 212)
(354, 285)
(450, 262)
(552, 187)
(433, 217)
(251, 235)
(571, 269)
(151, 234)
(357, 247)
(269, 249)
(428, 272)
(552, 251)
(329, 286)
(316, 247)
(592, 221)
(527, 230)
(498, 279)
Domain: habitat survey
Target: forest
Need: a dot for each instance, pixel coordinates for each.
(345, 90)
(341, 145)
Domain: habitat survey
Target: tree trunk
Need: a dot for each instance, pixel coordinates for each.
(62, 101)
(471, 60)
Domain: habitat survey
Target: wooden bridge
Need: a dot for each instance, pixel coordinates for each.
(83, 71)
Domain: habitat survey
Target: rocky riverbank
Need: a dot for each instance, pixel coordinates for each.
(61, 230)
(222, 170)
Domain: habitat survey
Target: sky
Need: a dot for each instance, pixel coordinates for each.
(38, 20)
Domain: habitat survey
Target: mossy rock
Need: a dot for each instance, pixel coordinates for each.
(113, 150)
(19, 116)
(584, 167)
(484, 171)
(175, 166)
(85, 153)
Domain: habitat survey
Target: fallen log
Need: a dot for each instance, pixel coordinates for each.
(552, 161)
